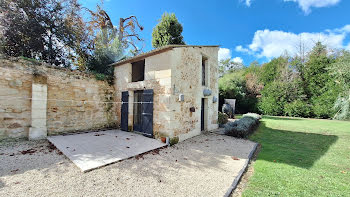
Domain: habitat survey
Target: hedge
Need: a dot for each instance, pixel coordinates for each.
(243, 127)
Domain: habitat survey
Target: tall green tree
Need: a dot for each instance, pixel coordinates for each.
(36, 29)
(80, 34)
(168, 31)
(320, 89)
(315, 71)
(104, 55)
(271, 71)
(340, 71)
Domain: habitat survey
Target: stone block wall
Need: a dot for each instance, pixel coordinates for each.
(170, 74)
(36, 98)
(158, 78)
(187, 80)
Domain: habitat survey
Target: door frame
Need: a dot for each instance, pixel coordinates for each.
(145, 112)
(202, 114)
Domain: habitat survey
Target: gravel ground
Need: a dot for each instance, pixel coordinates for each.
(205, 165)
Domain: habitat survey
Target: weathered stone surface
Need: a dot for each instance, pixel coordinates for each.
(15, 83)
(37, 133)
(14, 126)
(169, 74)
(74, 100)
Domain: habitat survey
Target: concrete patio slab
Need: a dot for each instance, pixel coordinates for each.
(96, 149)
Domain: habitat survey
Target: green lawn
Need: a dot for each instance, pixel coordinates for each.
(301, 157)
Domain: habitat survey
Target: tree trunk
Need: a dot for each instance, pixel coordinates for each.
(121, 30)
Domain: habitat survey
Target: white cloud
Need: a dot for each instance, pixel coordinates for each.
(237, 60)
(241, 49)
(306, 5)
(270, 44)
(224, 53)
(246, 2)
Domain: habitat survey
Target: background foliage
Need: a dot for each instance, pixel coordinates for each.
(316, 85)
(65, 34)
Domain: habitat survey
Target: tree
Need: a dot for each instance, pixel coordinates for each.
(168, 31)
(315, 71)
(271, 71)
(110, 43)
(278, 94)
(36, 29)
(253, 84)
(126, 33)
(81, 35)
(227, 65)
(233, 86)
(104, 55)
(340, 71)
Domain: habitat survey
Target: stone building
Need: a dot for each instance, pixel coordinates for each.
(168, 92)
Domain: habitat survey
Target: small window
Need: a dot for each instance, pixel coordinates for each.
(204, 70)
(138, 71)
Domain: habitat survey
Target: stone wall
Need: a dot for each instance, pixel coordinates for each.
(158, 78)
(35, 97)
(187, 80)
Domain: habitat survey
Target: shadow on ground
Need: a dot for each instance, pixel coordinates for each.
(291, 147)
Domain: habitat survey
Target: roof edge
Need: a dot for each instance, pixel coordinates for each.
(154, 52)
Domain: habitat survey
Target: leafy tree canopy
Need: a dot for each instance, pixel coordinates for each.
(168, 31)
(340, 71)
(37, 29)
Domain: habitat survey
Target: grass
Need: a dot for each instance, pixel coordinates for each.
(301, 157)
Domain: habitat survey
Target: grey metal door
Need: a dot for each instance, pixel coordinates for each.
(202, 114)
(124, 111)
(147, 113)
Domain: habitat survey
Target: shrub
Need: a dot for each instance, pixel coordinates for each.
(243, 127)
(297, 108)
(253, 115)
(222, 119)
(277, 94)
(233, 85)
(270, 106)
(323, 105)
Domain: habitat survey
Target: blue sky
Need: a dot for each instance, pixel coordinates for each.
(246, 30)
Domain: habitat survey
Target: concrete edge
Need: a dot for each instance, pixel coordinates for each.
(66, 153)
(240, 173)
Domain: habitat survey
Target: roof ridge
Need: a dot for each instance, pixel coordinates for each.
(156, 51)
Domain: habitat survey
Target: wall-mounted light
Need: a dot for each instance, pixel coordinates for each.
(192, 109)
(206, 92)
(181, 97)
(215, 99)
